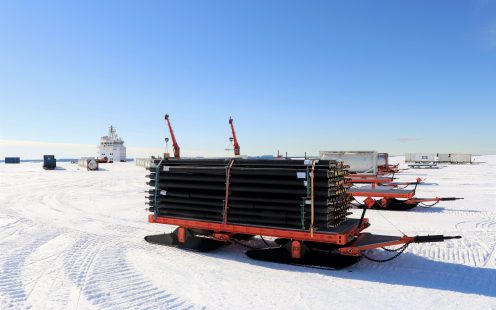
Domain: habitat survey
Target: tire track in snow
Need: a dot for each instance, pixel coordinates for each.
(98, 267)
(487, 224)
(7, 230)
(454, 212)
(12, 289)
(12, 222)
(482, 251)
(44, 278)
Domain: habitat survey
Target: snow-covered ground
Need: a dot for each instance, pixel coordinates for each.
(73, 239)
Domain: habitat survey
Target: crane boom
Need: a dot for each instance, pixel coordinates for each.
(175, 146)
(235, 140)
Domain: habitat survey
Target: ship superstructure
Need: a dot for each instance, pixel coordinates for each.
(111, 147)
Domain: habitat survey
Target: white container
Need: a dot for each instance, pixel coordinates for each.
(88, 163)
(458, 158)
(363, 162)
(420, 157)
(425, 157)
(382, 159)
(409, 157)
(443, 158)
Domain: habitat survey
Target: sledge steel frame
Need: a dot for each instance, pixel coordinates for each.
(338, 238)
(382, 193)
(348, 243)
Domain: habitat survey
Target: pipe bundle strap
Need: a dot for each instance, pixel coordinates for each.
(156, 190)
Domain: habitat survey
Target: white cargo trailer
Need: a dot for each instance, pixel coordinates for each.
(458, 158)
(443, 158)
(409, 157)
(420, 157)
(425, 157)
(363, 162)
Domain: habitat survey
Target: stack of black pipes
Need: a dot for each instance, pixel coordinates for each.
(260, 192)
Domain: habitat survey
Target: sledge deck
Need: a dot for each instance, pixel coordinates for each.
(424, 166)
(370, 179)
(382, 193)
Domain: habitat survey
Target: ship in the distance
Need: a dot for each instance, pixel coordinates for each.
(111, 148)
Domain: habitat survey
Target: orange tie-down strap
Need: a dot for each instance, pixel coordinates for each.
(228, 182)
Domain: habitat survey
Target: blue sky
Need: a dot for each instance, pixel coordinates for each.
(395, 76)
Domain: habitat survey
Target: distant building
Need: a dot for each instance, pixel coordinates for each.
(111, 147)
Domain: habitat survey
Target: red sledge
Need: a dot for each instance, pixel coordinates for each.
(333, 248)
(392, 199)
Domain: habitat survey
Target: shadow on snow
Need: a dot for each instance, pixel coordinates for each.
(408, 270)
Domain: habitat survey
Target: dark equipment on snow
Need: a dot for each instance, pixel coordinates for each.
(12, 160)
(49, 162)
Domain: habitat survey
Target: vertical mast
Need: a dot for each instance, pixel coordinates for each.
(175, 146)
(235, 139)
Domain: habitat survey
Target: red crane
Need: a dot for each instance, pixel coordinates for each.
(175, 146)
(235, 140)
